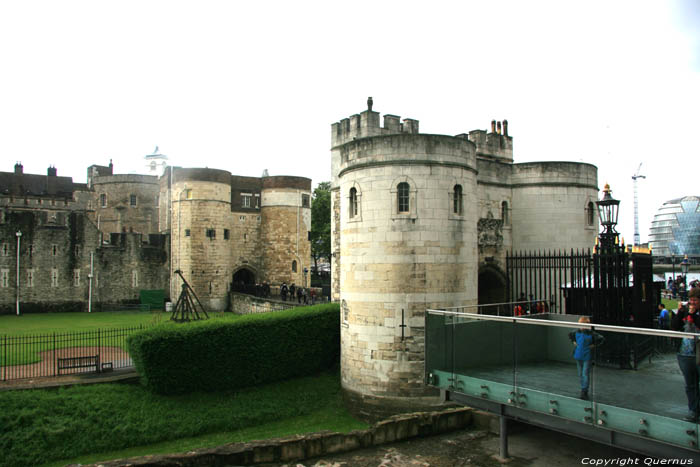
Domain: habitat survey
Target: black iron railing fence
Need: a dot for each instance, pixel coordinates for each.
(60, 353)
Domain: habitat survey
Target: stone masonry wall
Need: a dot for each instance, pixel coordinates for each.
(200, 249)
(395, 264)
(119, 214)
(55, 263)
(284, 236)
(545, 191)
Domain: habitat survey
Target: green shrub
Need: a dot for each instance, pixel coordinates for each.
(254, 349)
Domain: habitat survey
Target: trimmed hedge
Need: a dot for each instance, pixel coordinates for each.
(251, 350)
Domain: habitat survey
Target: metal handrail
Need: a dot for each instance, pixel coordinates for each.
(564, 324)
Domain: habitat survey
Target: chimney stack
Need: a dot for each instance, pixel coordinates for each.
(498, 126)
(19, 168)
(505, 127)
(493, 126)
(51, 171)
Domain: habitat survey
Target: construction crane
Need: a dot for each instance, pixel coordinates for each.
(636, 205)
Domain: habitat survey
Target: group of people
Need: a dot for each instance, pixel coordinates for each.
(678, 286)
(529, 307)
(302, 294)
(685, 319)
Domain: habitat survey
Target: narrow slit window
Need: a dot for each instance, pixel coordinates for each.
(403, 197)
(457, 205)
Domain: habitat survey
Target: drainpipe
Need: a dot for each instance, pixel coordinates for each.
(19, 235)
(90, 285)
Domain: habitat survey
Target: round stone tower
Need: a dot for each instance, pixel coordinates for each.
(404, 239)
(544, 191)
(201, 222)
(284, 233)
(126, 203)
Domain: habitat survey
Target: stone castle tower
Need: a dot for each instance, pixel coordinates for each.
(228, 228)
(424, 221)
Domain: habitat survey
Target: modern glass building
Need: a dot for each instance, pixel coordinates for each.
(675, 229)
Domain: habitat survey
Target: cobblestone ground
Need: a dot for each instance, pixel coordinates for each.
(528, 446)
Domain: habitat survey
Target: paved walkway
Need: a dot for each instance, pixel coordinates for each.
(125, 374)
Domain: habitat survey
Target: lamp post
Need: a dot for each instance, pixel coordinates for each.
(19, 236)
(673, 266)
(684, 268)
(607, 212)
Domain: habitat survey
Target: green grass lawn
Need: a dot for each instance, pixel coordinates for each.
(91, 423)
(41, 327)
(43, 323)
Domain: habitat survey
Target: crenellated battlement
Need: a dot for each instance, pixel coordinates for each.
(496, 143)
(367, 124)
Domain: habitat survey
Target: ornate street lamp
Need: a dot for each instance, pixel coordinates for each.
(607, 212)
(684, 267)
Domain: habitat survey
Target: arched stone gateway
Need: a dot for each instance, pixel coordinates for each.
(244, 281)
(492, 285)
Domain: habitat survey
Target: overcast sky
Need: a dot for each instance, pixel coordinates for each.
(247, 86)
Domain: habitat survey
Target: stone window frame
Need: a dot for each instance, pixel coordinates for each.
(294, 265)
(30, 277)
(450, 209)
(257, 200)
(505, 214)
(103, 200)
(305, 200)
(227, 234)
(241, 219)
(344, 313)
(590, 213)
(54, 250)
(54, 277)
(211, 234)
(76, 277)
(412, 197)
(358, 203)
(133, 200)
(5, 249)
(4, 278)
(188, 232)
(135, 278)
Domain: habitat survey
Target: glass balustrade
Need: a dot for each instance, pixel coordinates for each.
(635, 384)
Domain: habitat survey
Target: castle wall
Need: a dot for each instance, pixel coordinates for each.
(396, 261)
(55, 249)
(554, 192)
(130, 203)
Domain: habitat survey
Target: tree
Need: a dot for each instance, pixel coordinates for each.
(321, 223)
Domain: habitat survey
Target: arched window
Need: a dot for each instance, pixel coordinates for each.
(402, 194)
(457, 202)
(353, 202)
(504, 212)
(590, 213)
(294, 266)
(103, 200)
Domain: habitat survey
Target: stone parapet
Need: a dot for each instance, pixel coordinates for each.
(296, 448)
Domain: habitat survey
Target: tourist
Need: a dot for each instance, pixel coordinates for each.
(687, 319)
(283, 291)
(663, 317)
(584, 341)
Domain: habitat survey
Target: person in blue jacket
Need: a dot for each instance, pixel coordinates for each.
(584, 341)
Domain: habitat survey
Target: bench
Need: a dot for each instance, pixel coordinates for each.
(79, 362)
